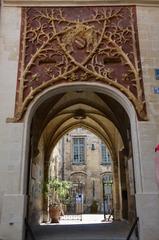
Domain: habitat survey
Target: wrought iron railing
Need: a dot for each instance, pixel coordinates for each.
(132, 228)
(29, 230)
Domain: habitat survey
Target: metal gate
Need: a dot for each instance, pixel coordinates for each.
(73, 206)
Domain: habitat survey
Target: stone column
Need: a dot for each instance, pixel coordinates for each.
(116, 195)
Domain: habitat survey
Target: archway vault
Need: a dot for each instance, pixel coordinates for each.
(109, 103)
(91, 111)
(102, 110)
(95, 44)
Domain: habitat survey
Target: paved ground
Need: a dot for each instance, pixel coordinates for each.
(83, 230)
(82, 219)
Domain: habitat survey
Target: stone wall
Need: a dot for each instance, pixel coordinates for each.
(36, 186)
(12, 144)
(147, 205)
(77, 2)
(12, 200)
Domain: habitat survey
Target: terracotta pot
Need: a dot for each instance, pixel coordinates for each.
(54, 213)
(94, 208)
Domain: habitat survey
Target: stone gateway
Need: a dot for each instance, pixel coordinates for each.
(68, 65)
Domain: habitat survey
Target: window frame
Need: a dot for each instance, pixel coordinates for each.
(105, 161)
(84, 151)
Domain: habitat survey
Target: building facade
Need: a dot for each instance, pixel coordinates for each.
(86, 163)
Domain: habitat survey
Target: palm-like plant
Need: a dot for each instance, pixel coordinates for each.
(57, 191)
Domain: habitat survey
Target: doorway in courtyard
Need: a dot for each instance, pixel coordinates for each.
(80, 158)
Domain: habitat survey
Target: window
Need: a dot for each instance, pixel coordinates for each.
(105, 155)
(108, 178)
(78, 150)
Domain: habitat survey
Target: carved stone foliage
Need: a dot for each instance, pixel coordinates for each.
(92, 44)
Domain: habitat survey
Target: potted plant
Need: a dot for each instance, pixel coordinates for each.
(57, 191)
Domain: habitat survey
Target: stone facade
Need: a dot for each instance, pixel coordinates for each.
(14, 140)
(89, 174)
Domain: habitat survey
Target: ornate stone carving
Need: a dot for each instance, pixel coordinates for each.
(79, 44)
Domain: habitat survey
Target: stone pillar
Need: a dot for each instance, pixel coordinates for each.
(148, 200)
(124, 193)
(12, 178)
(13, 214)
(45, 198)
(116, 195)
(130, 189)
(13, 199)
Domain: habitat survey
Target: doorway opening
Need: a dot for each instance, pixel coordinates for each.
(60, 119)
(78, 108)
(81, 159)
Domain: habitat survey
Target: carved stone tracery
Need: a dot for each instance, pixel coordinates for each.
(96, 44)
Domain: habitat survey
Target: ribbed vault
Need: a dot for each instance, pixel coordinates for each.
(96, 112)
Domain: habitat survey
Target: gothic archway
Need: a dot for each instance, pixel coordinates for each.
(93, 51)
(45, 98)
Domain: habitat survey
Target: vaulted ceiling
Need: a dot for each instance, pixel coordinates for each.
(96, 112)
